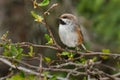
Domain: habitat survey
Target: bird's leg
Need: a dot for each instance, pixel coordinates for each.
(83, 46)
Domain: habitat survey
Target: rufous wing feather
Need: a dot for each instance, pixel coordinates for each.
(80, 35)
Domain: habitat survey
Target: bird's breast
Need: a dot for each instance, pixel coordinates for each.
(68, 35)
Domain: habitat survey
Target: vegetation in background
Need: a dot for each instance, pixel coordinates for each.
(105, 16)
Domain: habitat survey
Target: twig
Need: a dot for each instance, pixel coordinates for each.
(19, 61)
(68, 75)
(27, 44)
(65, 70)
(67, 64)
(9, 75)
(58, 68)
(40, 67)
(105, 74)
(29, 71)
(46, 25)
(110, 67)
(35, 67)
(18, 67)
(47, 12)
(36, 73)
(117, 74)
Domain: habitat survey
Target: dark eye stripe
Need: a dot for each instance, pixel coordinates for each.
(65, 17)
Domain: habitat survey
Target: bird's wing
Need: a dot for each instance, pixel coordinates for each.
(80, 35)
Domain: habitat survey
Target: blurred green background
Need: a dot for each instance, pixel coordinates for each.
(105, 17)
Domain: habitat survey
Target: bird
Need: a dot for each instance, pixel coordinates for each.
(69, 31)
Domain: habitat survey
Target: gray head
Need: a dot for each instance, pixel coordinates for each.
(66, 19)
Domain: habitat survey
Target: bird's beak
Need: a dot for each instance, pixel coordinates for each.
(61, 21)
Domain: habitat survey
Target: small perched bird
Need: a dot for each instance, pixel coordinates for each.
(69, 31)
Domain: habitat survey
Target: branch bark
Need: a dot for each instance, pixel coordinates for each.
(29, 71)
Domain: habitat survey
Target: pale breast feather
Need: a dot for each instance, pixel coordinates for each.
(68, 36)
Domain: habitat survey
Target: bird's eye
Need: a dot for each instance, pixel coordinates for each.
(65, 17)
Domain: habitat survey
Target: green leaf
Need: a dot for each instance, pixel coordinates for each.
(107, 51)
(16, 77)
(65, 53)
(47, 59)
(83, 60)
(19, 52)
(53, 78)
(49, 39)
(85, 78)
(6, 50)
(71, 55)
(45, 73)
(14, 51)
(36, 16)
(22, 74)
(68, 54)
(31, 53)
(19, 55)
(94, 59)
(44, 3)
